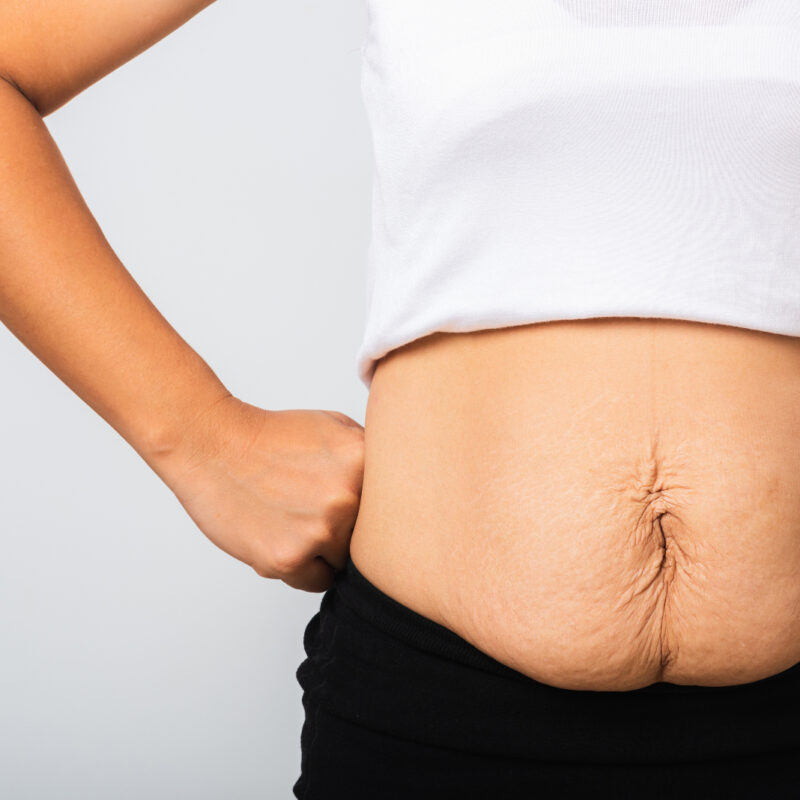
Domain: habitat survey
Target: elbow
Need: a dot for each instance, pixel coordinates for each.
(4, 75)
(43, 102)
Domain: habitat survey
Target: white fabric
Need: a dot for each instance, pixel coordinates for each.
(563, 159)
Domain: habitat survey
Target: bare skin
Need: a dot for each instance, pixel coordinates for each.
(278, 490)
(625, 506)
(597, 503)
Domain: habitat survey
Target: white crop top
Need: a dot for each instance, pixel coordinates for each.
(563, 159)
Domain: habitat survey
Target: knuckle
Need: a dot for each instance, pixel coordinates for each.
(357, 465)
(319, 531)
(355, 446)
(341, 499)
(263, 570)
(286, 560)
(352, 443)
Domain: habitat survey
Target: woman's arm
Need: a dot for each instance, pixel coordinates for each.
(63, 291)
(67, 297)
(51, 50)
(278, 490)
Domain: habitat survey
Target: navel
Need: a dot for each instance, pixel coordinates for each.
(657, 493)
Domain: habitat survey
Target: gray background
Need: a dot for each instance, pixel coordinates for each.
(229, 168)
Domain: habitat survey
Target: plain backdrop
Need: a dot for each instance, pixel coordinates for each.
(229, 167)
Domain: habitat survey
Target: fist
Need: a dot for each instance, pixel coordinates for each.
(278, 490)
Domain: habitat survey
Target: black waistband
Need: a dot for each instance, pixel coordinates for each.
(418, 631)
(405, 624)
(381, 665)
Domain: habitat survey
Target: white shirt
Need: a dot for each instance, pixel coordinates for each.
(563, 159)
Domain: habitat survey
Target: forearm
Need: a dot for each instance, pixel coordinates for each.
(67, 297)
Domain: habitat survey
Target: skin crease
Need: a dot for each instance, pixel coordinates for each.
(623, 507)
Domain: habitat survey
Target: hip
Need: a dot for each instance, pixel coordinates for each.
(399, 706)
(598, 504)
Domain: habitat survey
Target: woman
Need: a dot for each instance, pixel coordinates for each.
(563, 554)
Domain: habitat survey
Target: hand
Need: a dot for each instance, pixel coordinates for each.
(279, 490)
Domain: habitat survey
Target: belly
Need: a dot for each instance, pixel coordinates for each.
(599, 504)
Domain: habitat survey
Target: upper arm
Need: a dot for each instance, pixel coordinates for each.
(51, 50)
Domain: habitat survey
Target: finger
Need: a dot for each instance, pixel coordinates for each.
(336, 549)
(316, 576)
(345, 420)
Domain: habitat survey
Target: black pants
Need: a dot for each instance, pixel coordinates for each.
(398, 706)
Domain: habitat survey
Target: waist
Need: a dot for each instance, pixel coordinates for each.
(599, 504)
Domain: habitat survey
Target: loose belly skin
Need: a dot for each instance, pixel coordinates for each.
(599, 504)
